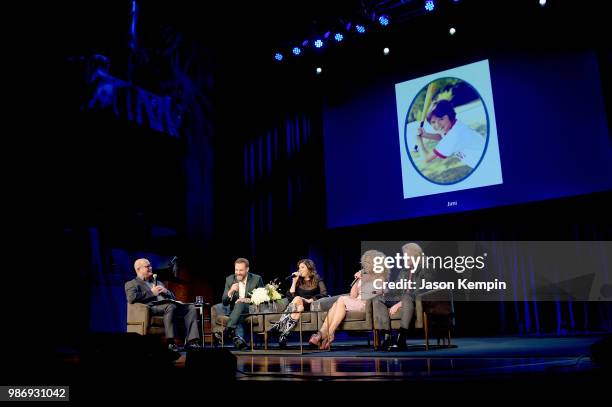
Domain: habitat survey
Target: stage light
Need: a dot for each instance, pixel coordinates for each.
(296, 51)
(360, 29)
(327, 34)
(338, 37)
(319, 70)
(542, 3)
(383, 20)
(430, 5)
(348, 26)
(452, 31)
(386, 51)
(278, 56)
(305, 43)
(318, 43)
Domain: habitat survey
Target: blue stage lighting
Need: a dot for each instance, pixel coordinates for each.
(430, 5)
(278, 56)
(296, 50)
(383, 20)
(318, 43)
(360, 28)
(338, 37)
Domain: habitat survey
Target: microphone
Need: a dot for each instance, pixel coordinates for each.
(356, 279)
(292, 275)
(154, 279)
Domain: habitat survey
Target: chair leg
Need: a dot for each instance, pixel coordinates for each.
(426, 327)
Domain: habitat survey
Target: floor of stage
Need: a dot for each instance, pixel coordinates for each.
(492, 357)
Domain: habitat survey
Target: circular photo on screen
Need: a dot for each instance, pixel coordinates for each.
(446, 131)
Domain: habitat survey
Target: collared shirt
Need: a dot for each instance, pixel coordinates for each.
(242, 287)
(151, 285)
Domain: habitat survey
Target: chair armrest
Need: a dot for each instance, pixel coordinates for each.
(215, 311)
(138, 314)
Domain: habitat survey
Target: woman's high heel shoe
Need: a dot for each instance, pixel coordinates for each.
(315, 339)
(326, 345)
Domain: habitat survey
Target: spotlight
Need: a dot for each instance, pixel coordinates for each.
(296, 51)
(542, 3)
(386, 51)
(452, 31)
(383, 20)
(278, 56)
(430, 5)
(305, 43)
(318, 43)
(319, 70)
(327, 34)
(360, 29)
(338, 37)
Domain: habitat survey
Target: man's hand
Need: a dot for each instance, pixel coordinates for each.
(158, 289)
(310, 301)
(394, 309)
(235, 287)
(243, 300)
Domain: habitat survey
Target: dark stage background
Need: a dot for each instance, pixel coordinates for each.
(245, 178)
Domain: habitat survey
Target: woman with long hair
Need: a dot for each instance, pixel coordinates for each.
(306, 288)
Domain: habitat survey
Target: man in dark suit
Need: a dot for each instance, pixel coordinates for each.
(144, 289)
(388, 304)
(237, 296)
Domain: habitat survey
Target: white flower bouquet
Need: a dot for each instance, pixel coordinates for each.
(266, 295)
(260, 295)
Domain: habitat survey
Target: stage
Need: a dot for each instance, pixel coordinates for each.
(467, 358)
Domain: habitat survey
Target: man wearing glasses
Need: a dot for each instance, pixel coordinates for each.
(144, 289)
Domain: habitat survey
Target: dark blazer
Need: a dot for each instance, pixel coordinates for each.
(253, 281)
(137, 290)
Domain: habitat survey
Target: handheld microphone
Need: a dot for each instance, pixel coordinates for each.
(154, 279)
(356, 279)
(292, 275)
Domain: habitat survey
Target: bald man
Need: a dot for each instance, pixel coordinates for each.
(143, 289)
(397, 302)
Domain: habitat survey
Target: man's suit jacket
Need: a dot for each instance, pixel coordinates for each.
(403, 274)
(137, 290)
(253, 281)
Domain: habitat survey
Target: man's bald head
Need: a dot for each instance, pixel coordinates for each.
(143, 268)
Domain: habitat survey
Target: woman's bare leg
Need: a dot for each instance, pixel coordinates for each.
(338, 316)
(298, 302)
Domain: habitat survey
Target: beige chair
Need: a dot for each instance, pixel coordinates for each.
(140, 320)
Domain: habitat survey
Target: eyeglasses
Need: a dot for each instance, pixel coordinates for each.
(146, 267)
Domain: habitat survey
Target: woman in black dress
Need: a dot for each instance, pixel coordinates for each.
(306, 288)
